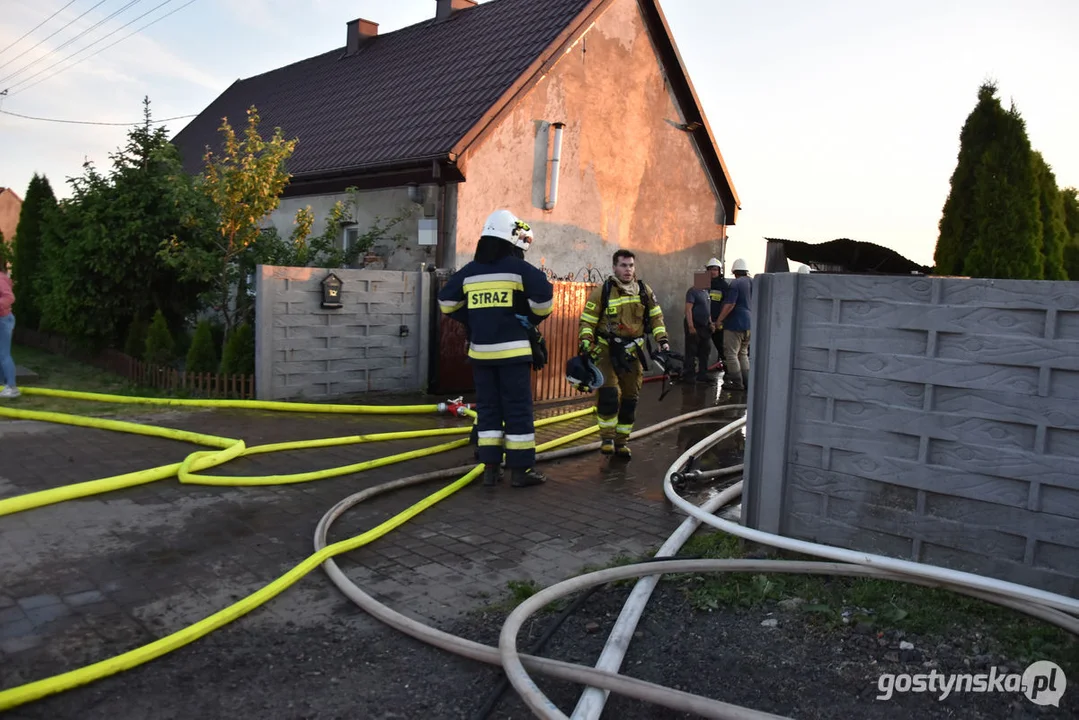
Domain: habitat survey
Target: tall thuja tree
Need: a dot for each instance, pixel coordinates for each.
(990, 226)
(1008, 232)
(107, 272)
(1069, 200)
(29, 269)
(957, 222)
(1054, 228)
(242, 185)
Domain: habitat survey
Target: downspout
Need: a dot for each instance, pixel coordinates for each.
(556, 158)
(440, 220)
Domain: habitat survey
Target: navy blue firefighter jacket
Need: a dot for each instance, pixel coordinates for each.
(488, 298)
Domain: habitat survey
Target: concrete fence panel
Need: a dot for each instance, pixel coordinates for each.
(377, 341)
(930, 419)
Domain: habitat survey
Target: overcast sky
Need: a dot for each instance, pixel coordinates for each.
(837, 118)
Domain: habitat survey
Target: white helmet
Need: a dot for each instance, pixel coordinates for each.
(714, 262)
(804, 269)
(739, 265)
(504, 224)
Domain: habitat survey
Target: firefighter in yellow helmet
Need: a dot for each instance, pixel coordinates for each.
(617, 319)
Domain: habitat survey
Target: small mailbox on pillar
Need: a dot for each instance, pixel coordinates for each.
(331, 291)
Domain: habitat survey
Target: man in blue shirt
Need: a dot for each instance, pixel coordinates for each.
(734, 317)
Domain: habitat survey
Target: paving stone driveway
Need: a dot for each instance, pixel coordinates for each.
(88, 579)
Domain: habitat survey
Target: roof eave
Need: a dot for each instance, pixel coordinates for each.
(704, 134)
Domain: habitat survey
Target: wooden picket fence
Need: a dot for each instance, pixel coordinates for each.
(141, 374)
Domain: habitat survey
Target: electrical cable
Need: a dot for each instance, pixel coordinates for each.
(101, 50)
(64, 45)
(102, 2)
(30, 32)
(90, 122)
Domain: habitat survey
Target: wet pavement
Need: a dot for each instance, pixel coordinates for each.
(91, 578)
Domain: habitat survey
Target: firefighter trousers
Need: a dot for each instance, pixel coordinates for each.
(504, 414)
(616, 402)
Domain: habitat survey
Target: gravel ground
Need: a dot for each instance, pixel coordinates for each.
(356, 668)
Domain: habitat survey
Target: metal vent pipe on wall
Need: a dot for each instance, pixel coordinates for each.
(556, 158)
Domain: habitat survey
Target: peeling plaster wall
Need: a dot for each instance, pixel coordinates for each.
(629, 178)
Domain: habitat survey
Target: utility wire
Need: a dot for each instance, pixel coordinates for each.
(31, 32)
(100, 50)
(54, 33)
(88, 122)
(68, 42)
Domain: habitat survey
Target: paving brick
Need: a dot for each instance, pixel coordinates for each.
(38, 601)
(47, 613)
(11, 614)
(13, 645)
(84, 598)
(16, 629)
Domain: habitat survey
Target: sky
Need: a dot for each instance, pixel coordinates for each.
(836, 118)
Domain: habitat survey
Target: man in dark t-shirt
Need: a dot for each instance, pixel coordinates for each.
(697, 326)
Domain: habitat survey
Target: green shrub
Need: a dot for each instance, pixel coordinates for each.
(135, 344)
(202, 356)
(239, 355)
(160, 347)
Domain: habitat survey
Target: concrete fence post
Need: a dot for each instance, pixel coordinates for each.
(772, 344)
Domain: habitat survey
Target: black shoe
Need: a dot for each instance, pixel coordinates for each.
(622, 450)
(526, 478)
(492, 476)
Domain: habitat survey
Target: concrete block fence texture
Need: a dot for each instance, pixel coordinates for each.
(929, 419)
(305, 351)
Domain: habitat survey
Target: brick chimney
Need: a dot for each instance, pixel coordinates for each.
(446, 8)
(358, 31)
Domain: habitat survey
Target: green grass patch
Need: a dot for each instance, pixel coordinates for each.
(63, 373)
(880, 604)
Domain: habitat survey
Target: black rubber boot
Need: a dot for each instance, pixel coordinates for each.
(526, 478)
(491, 475)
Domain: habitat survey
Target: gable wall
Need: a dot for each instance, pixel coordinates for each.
(628, 178)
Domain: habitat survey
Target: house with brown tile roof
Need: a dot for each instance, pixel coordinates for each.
(10, 208)
(577, 115)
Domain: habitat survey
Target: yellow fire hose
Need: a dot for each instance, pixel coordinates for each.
(230, 449)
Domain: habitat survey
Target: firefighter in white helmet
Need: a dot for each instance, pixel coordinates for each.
(501, 298)
(716, 292)
(734, 317)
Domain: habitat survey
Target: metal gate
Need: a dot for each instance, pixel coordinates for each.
(452, 373)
